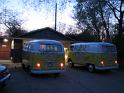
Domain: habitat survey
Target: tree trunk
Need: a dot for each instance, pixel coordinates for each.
(104, 23)
(120, 27)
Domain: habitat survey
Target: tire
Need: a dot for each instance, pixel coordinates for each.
(28, 69)
(23, 66)
(70, 63)
(91, 68)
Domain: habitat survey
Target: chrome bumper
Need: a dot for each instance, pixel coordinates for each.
(106, 67)
(5, 78)
(46, 71)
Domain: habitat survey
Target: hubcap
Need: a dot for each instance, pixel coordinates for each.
(91, 68)
(70, 62)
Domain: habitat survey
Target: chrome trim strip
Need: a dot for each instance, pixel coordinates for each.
(106, 67)
(46, 71)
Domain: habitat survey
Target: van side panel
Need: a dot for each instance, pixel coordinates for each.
(102, 55)
(84, 58)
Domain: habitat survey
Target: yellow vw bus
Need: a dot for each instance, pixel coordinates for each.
(43, 56)
(93, 55)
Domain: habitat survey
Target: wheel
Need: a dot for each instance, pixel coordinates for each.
(91, 68)
(28, 69)
(23, 66)
(70, 63)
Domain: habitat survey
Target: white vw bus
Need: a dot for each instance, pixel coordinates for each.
(43, 56)
(94, 55)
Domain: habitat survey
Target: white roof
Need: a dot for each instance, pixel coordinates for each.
(45, 41)
(93, 43)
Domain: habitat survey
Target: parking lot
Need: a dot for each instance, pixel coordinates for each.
(76, 80)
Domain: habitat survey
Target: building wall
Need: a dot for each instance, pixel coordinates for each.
(5, 49)
(16, 51)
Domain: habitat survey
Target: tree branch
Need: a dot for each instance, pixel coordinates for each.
(121, 5)
(113, 6)
(113, 10)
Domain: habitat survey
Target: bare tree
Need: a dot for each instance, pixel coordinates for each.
(12, 23)
(117, 7)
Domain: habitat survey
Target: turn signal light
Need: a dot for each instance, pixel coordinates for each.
(38, 65)
(116, 62)
(61, 65)
(102, 62)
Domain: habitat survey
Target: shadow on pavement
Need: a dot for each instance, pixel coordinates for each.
(83, 68)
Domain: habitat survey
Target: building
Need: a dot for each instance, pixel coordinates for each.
(14, 46)
(5, 47)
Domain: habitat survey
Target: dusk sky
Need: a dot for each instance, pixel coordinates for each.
(35, 19)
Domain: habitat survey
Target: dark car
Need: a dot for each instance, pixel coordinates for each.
(4, 75)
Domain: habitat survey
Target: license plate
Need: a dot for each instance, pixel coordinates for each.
(50, 64)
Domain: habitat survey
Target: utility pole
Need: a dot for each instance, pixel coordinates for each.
(55, 16)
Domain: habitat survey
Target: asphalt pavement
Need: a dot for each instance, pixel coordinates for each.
(73, 80)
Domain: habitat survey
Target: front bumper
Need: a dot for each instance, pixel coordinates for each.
(106, 67)
(5, 78)
(46, 71)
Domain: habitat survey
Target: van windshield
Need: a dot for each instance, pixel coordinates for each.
(50, 48)
(107, 49)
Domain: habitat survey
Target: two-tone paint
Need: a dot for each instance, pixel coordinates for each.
(97, 55)
(43, 61)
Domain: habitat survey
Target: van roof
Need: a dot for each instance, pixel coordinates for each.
(93, 43)
(45, 41)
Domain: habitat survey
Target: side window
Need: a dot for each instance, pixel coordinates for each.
(80, 48)
(77, 48)
(30, 47)
(83, 48)
(25, 47)
(93, 48)
(43, 47)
